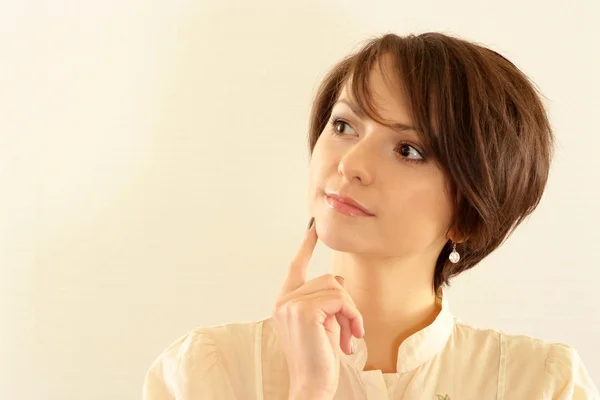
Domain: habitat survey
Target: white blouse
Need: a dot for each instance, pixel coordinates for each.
(448, 360)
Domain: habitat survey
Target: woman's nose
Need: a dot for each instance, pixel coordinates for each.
(359, 163)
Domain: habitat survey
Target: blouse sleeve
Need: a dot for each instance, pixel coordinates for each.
(190, 368)
(567, 376)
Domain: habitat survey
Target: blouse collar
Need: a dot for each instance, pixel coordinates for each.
(417, 349)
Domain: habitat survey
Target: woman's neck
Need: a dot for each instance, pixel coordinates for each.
(395, 297)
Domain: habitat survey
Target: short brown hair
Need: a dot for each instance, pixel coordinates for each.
(480, 119)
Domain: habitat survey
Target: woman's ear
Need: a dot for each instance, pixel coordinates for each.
(455, 236)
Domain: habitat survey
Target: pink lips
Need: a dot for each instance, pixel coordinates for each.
(346, 205)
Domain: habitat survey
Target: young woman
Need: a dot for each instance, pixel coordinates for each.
(426, 152)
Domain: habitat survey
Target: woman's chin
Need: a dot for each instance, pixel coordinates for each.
(346, 240)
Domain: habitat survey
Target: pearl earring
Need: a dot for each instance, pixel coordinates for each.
(454, 257)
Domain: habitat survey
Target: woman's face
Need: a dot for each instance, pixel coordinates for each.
(387, 172)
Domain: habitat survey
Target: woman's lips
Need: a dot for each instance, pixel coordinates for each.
(347, 206)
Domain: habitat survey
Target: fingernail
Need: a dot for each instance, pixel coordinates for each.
(352, 346)
(310, 223)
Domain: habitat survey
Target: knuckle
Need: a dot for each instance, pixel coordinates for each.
(280, 301)
(298, 309)
(289, 308)
(330, 280)
(281, 308)
(339, 294)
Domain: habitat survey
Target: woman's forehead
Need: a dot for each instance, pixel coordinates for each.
(387, 100)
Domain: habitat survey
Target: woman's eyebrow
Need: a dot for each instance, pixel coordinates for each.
(398, 126)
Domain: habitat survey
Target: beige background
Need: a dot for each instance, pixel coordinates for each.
(153, 174)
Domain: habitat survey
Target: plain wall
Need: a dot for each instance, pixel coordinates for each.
(153, 174)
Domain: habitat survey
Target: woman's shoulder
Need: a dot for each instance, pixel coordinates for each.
(522, 357)
(518, 344)
(214, 341)
(206, 356)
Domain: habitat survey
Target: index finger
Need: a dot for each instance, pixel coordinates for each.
(297, 272)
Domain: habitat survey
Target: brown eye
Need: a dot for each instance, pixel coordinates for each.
(407, 151)
(341, 127)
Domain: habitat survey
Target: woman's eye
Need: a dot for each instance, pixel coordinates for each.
(405, 150)
(408, 151)
(341, 127)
